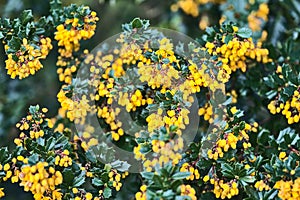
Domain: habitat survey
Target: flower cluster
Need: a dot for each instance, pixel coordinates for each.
(207, 112)
(288, 189)
(254, 13)
(190, 7)
(73, 30)
(186, 167)
(230, 140)
(69, 34)
(63, 159)
(115, 177)
(225, 189)
(141, 195)
(178, 118)
(65, 75)
(109, 115)
(40, 180)
(165, 152)
(26, 61)
(136, 100)
(235, 53)
(261, 185)
(32, 126)
(84, 138)
(76, 110)
(161, 75)
(145, 76)
(187, 190)
(255, 18)
(290, 109)
(7, 171)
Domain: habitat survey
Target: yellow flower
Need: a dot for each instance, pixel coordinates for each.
(188, 168)
(189, 6)
(143, 188)
(2, 194)
(88, 196)
(69, 39)
(41, 181)
(6, 167)
(288, 189)
(282, 155)
(261, 185)
(187, 190)
(233, 110)
(26, 61)
(206, 178)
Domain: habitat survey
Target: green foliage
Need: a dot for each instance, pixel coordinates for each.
(246, 147)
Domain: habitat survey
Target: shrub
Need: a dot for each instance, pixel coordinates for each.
(147, 117)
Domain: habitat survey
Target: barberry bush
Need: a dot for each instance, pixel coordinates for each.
(151, 113)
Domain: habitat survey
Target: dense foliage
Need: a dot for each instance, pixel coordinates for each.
(241, 73)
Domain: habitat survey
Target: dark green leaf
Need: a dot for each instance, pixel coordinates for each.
(14, 43)
(68, 176)
(50, 144)
(248, 179)
(157, 180)
(97, 182)
(180, 175)
(147, 175)
(3, 154)
(137, 23)
(289, 91)
(173, 128)
(168, 194)
(120, 165)
(228, 38)
(33, 159)
(90, 155)
(79, 180)
(263, 137)
(244, 32)
(26, 16)
(107, 192)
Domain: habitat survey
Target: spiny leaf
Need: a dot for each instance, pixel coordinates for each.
(244, 33)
